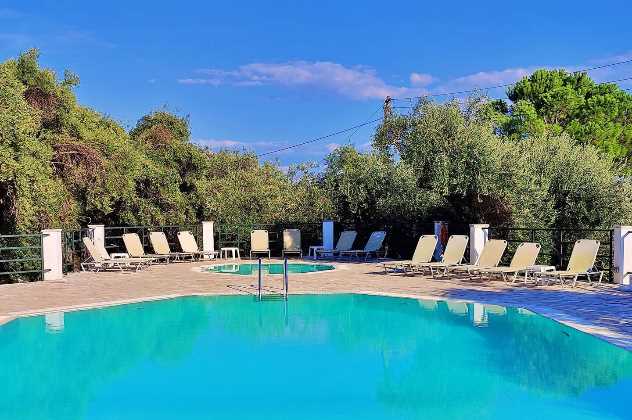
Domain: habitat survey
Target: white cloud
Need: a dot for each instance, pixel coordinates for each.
(362, 82)
(421, 79)
(219, 143)
(332, 146)
(358, 82)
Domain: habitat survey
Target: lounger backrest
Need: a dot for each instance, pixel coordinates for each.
(525, 256)
(292, 239)
(133, 245)
(159, 243)
(100, 247)
(425, 248)
(187, 242)
(346, 240)
(259, 240)
(92, 250)
(455, 249)
(375, 241)
(583, 256)
(492, 253)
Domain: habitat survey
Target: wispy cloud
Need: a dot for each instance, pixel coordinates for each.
(358, 82)
(362, 82)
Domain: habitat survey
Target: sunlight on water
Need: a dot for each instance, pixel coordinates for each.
(320, 357)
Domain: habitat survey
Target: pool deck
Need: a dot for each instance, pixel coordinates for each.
(601, 310)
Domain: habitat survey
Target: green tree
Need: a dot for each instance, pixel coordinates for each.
(556, 101)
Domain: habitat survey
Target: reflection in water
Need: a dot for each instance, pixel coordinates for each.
(54, 322)
(337, 356)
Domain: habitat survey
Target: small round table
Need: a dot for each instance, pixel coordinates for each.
(537, 271)
(235, 254)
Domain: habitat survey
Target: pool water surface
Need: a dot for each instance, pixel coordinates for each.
(312, 357)
(246, 269)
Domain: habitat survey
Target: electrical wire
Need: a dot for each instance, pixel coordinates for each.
(433, 95)
(337, 133)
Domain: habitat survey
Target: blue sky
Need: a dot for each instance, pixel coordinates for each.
(263, 75)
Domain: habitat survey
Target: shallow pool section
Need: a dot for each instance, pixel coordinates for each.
(312, 357)
(247, 269)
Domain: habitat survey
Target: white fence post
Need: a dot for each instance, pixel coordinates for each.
(98, 234)
(622, 249)
(52, 254)
(208, 239)
(479, 234)
(328, 234)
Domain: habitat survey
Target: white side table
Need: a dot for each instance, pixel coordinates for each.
(536, 271)
(313, 249)
(235, 254)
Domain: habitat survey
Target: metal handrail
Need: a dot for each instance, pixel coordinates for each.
(260, 279)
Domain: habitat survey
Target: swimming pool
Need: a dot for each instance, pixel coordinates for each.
(247, 269)
(312, 357)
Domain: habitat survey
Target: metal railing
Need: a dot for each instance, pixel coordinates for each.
(73, 252)
(114, 235)
(231, 235)
(557, 244)
(260, 280)
(21, 257)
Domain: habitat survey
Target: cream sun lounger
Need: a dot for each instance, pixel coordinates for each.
(161, 247)
(188, 244)
(453, 255)
(581, 263)
(490, 257)
(292, 242)
(423, 254)
(259, 242)
(99, 259)
(345, 243)
(525, 256)
(373, 245)
(135, 249)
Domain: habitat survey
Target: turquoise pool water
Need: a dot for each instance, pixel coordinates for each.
(316, 357)
(252, 268)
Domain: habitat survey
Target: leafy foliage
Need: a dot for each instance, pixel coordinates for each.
(555, 101)
(65, 165)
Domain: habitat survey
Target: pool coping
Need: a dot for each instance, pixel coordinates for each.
(576, 323)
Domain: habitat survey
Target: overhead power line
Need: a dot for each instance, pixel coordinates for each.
(355, 128)
(337, 133)
(461, 92)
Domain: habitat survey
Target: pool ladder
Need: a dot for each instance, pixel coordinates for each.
(260, 282)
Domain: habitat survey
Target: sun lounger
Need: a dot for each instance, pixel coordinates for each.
(373, 246)
(161, 247)
(581, 263)
(453, 255)
(99, 259)
(423, 254)
(135, 248)
(490, 257)
(525, 256)
(259, 242)
(188, 244)
(292, 242)
(345, 243)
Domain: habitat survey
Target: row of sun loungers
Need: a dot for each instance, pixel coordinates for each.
(137, 259)
(580, 264)
(344, 246)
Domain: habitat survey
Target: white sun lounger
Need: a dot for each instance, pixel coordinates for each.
(423, 254)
